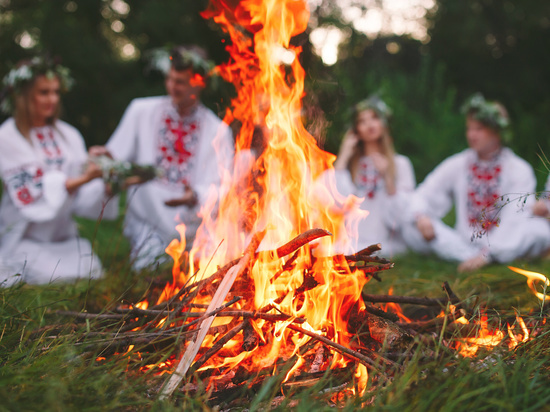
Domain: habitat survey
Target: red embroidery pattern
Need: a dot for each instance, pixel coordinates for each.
(24, 184)
(368, 178)
(177, 146)
(53, 155)
(483, 192)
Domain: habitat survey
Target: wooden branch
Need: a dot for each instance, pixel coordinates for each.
(205, 315)
(366, 258)
(250, 336)
(450, 294)
(301, 240)
(373, 268)
(219, 297)
(336, 346)
(379, 312)
(218, 345)
(85, 315)
(426, 324)
(369, 250)
(404, 300)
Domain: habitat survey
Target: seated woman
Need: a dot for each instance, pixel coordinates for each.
(368, 167)
(47, 179)
(489, 186)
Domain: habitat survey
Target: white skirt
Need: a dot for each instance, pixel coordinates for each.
(45, 262)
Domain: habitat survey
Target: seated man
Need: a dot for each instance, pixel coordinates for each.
(489, 187)
(186, 141)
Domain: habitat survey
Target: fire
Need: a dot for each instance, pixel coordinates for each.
(532, 279)
(395, 308)
(485, 338)
(274, 190)
(515, 340)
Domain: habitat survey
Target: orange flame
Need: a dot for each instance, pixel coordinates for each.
(485, 338)
(532, 279)
(273, 186)
(516, 339)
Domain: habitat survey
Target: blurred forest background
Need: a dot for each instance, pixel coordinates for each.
(424, 72)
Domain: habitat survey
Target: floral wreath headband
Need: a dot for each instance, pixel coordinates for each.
(25, 72)
(377, 105)
(162, 60)
(489, 113)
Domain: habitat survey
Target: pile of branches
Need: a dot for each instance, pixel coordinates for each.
(381, 341)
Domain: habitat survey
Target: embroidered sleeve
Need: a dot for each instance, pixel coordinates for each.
(38, 195)
(24, 184)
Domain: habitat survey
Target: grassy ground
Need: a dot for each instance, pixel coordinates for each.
(40, 373)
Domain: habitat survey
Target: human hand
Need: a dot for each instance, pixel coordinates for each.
(91, 172)
(472, 264)
(426, 228)
(540, 209)
(96, 151)
(347, 148)
(189, 198)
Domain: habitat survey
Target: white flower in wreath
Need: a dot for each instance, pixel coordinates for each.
(17, 75)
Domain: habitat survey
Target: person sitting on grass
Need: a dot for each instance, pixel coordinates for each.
(489, 186)
(47, 179)
(188, 143)
(368, 167)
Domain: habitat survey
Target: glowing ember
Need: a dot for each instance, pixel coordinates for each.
(485, 338)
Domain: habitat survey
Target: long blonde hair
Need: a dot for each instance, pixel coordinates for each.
(386, 145)
(23, 110)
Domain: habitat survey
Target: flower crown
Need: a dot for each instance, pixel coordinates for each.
(27, 71)
(161, 59)
(376, 104)
(489, 113)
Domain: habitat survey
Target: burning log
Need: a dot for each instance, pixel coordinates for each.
(387, 332)
(250, 336)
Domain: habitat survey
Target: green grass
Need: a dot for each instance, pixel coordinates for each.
(41, 373)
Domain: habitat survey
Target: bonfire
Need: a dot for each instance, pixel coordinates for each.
(272, 283)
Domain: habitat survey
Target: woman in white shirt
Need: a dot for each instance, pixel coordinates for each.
(46, 180)
(368, 167)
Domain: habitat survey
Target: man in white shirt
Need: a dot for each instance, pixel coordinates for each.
(186, 141)
(489, 187)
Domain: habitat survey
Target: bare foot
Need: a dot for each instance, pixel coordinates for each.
(473, 264)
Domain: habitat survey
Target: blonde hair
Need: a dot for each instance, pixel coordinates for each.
(386, 147)
(23, 110)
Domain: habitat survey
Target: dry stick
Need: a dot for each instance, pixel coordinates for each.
(369, 250)
(374, 268)
(216, 347)
(219, 296)
(301, 240)
(404, 299)
(425, 324)
(454, 299)
(339, 348)
(84, 315)
(282, 251)
(365, 258)
(207, 314)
